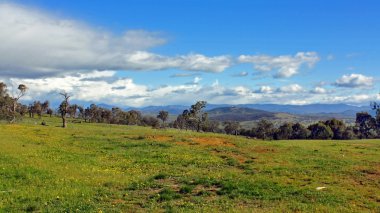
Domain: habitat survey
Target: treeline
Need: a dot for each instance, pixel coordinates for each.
(192, 119)
(366, 127)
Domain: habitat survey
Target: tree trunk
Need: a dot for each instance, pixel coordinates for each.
(14, 111)
(63, 120)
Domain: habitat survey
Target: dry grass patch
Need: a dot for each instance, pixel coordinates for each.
(212, 141)
(160, 138)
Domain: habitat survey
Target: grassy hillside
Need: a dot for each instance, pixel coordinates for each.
(239, 114)
(93, 167)
(248, 116)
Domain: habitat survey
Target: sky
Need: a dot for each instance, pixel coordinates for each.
(166, 52)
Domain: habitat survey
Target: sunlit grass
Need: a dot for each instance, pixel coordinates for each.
(92, 167)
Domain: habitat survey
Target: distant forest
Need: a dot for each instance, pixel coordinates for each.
(192, 119)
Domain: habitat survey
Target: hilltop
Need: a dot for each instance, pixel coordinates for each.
(101, 167)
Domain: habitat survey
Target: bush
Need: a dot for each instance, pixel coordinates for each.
(320, 131)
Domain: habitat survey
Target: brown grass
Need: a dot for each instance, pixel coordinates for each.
(212, 141)
(160, 138)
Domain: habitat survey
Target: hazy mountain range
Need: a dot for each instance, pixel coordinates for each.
(343, 109)
(247, 114)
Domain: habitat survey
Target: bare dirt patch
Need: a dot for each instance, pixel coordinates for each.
(170, 183)
(263, 149)
(212, 141)
(160, 138)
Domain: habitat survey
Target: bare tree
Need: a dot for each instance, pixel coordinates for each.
(64, 108)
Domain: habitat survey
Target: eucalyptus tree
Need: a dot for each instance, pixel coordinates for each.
(64, 107)
(163, 115)
(21, 91)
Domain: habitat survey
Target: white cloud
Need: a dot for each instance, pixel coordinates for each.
(293, 88)
(355, 81)
(106, 87)
(286, 65)
(34, 43)
(142, 60)
(141, 39)
(197, 80)
(265, 89)
(319, 90)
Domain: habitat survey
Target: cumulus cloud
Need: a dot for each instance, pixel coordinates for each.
(293, 88)
(286, 65)
(319, 90)
(265, 89)
(355, 81)
(35, 43)
(142, 60)
(106, 87)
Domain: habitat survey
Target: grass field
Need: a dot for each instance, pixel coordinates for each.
(109, 168)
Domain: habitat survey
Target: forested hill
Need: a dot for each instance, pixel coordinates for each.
(239, 114)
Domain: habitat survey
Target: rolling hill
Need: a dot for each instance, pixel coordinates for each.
(91, 167)
(248, 116)
(239, 114)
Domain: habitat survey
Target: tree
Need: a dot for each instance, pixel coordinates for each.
(45, 106)
(299, 132)
(209, 125)
(133, 117)
(64, 108)
(37, 108)
(180, 122)
(81, 112)
(196, 114)
(348, 134)
(16, 97)
(284, 132)
(151, 121)
(187, 121)
(163, 115)
(6, 103)
(366, 125)
(232, 127)
(376, 106)
(49, 111)
(320, 131)
(9, 106)
(73, 110)
(337, 126)
(264, 129)
(118, 115)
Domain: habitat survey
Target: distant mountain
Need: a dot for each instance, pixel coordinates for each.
(292, 109)
(313, 110)
(172, 109)
(248, 116)
(308, 109)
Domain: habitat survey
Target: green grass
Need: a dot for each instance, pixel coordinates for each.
(93, 167)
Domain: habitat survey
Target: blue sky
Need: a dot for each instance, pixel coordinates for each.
(293, 52)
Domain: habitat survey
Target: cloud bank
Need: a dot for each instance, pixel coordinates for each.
(355, 81)
(34, 43)
(286, 65)
(106, 87)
